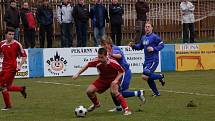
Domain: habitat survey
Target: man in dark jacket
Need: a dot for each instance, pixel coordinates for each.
(141, 9)
(44, 16)
(12, 18)
(116, 12)
(29, 33)
(81, 16)
(99, 14)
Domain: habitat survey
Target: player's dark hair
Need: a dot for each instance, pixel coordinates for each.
(102, 51)
(11, 1)
(10, 29)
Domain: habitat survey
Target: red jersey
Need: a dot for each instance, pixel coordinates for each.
(10, 53)
(107, 71)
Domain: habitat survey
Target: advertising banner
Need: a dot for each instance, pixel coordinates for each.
(24, 72)
(195, 56)
(67, 61)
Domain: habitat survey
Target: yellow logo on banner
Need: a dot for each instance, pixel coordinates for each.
(195, 56)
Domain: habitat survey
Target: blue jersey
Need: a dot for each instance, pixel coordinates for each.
(125, 80)
(151, 40)
(122, 61)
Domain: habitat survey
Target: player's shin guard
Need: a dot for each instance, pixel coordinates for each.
(116, 102)
(94, 100)
(122, 101)
(6, 97)
(153, 86)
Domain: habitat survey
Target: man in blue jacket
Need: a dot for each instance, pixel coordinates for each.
(152, 44)
(99, 14)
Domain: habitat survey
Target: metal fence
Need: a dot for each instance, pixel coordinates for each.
(164, 14)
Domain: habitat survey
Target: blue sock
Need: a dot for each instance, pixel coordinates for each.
(155, 76)
(126, 94)
(153, 86)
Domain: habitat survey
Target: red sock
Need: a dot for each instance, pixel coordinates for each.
(122, 101)
(6, 97)
(94, 100)
(15, 88)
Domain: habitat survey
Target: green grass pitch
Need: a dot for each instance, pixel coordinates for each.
(54, 99)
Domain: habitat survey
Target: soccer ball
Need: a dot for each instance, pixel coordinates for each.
(80, 111)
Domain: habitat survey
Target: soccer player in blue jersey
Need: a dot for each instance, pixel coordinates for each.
(152, 44)
(116, 53)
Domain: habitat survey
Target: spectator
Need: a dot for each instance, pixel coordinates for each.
(12, 18)
(99, 14)
(44, 16)
(81, 16)
(188, 19)
(141, 9)
(92, 4)
(116, 12)
(28, 22)
(64, 14)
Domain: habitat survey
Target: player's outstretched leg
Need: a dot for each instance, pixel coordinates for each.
(139, 94)
(23, 92)
(6, 97)
(123, 104)
(21, 89)
(162, 81)
(118, 107)
(91, 93)
(95, 104)
(153, 87)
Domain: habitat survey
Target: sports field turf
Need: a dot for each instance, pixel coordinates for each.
(54, 99)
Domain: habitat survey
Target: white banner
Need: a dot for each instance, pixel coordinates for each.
(67, 61)
(24, 72)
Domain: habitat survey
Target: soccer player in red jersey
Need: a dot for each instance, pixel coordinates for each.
(110, 73)
(10, 49)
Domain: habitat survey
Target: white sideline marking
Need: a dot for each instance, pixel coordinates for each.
(170, 91)
(56, 83)
(190, 93)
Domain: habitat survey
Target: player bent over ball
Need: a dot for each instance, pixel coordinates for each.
(110, 73)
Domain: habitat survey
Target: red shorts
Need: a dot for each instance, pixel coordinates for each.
(102, 85)
(6, 78)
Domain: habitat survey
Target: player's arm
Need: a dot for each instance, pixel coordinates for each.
(74, 77)
(23, 56)
(160, 45)
(116, 54)
(118, 77)
(192, 7)
(120, 72)
(92, 63)
(138, 46)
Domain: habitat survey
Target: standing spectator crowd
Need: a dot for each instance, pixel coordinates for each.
(78, 16)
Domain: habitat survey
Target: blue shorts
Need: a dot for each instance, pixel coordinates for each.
(125, 81)
(149, 67)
